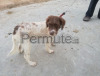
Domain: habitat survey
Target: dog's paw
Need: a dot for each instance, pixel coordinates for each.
(32, 63)
(51, 51)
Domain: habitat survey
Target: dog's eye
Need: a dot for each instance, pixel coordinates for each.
(55, 24)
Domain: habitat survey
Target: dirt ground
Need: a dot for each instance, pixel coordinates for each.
(7, 4)
(74, 59)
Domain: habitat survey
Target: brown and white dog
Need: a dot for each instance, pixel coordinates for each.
(49, 27)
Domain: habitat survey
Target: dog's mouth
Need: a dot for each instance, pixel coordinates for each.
(53, 32)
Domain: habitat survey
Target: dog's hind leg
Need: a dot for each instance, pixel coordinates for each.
(27, 48)
(15, 46)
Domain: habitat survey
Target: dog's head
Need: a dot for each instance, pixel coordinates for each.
(54, 23)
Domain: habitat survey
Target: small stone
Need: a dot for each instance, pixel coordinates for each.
(71, 48)
(76, 31)
(9, 12)
(11, 60)
(6, 36)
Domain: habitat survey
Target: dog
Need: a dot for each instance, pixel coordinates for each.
(49, 27)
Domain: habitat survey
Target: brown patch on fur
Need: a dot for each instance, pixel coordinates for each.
(22, 26)
(15, 29)
(34, 24)
(27, 23)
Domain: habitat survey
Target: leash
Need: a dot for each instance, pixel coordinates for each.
(66, 11)
(63, 14)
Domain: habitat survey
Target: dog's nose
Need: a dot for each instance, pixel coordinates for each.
(52, 33)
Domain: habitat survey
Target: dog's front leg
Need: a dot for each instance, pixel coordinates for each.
(27, 48)
(52, 43)
(48, 45)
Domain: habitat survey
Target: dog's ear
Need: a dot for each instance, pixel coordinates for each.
(62, 23)
(47, 20)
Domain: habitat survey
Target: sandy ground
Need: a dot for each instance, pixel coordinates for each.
(80, 59)
(8, 4)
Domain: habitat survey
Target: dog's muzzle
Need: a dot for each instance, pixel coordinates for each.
(52, 32)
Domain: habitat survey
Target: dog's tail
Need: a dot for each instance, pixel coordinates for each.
(7, 35)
